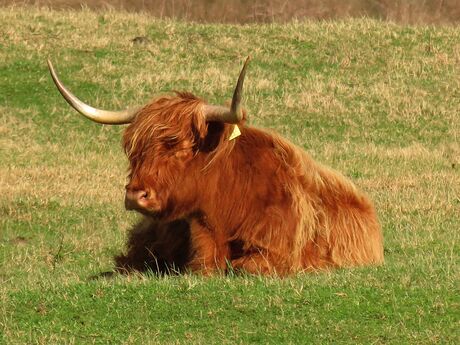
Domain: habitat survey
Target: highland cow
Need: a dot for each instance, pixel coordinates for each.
(218, 194)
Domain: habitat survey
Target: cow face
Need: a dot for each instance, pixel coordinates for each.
(161, 143)
(154, 175)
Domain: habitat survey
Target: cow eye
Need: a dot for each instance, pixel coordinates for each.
(170, 142)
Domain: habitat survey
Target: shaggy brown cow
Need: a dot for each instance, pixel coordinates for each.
(256, 203)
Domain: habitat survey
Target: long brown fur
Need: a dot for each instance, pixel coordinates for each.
(257, 203)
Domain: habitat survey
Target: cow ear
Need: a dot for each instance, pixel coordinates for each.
(215, 134)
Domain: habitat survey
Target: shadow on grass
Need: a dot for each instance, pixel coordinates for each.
(154, 248)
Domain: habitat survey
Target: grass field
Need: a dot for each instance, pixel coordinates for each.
(377, 101)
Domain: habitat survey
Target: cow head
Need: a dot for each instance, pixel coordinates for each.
(162, 140)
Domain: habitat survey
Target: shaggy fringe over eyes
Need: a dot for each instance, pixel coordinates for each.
(172, 123)
(168, 120)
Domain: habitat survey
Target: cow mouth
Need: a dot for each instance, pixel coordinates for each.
(156, 215)
(152, 213)
(164, 214)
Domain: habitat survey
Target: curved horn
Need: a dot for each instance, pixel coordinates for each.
(235, 113)
(97, 115)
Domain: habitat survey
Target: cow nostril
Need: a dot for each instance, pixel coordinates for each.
(135, 200)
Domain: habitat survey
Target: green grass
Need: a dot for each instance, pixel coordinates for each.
(377, 101)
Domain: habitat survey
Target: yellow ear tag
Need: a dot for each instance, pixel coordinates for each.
(236, 133)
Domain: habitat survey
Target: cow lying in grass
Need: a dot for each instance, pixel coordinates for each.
(216, 193)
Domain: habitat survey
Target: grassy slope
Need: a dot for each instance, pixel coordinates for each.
(377, 101)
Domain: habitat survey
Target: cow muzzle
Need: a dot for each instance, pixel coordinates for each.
(136, 200)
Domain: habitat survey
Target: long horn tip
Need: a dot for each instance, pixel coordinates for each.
(51, 69)
(246, 62)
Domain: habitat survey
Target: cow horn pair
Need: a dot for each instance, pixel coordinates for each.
(211, 112)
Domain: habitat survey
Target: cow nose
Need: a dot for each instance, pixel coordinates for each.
(136, 199)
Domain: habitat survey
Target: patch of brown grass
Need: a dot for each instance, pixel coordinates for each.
(241, 11)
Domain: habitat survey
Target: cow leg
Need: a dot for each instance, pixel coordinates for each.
(261, 262)
(210, 253)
